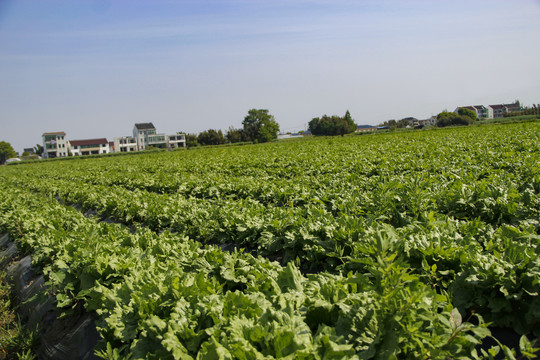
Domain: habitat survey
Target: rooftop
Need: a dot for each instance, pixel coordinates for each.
(55, 133)
(88, 142)
(145, 126)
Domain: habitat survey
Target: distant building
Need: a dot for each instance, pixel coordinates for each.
(144, 133)
(144, 136)
(409, 121)
(176, 141)
(500, 110)
(125, 144)
(432, 121)
(30, 151)
(158, 141)
(365, 128)
(481, 111)
(89, 147)
(54, 145)
(292, 135)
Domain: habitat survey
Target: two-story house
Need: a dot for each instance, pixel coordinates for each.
(89, 147)
(125, 144)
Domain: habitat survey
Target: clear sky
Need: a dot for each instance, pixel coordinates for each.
(94, 68)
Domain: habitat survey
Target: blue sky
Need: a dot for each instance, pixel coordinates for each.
(93, 68)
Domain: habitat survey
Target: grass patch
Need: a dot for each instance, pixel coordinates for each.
(508, 120)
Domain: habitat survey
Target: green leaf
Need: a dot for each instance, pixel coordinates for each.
(455, 319)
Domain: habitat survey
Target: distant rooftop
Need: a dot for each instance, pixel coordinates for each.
(145, 126)
(55, 133)
(88, 142)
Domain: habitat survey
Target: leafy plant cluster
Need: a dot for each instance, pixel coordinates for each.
(164, 296)
(452, 211)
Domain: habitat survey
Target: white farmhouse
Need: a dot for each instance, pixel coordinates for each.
(89, 147)
(54, 144)
(125, 144)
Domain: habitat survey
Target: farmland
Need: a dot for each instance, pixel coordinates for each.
(407, 245)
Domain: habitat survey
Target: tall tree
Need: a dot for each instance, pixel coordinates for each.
(6, 152)
(260, 126)
(38, 150)
(349, 125)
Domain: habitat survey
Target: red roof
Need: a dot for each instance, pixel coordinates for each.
(88, 142)
(55, 133)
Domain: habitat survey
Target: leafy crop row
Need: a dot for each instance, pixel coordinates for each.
(164, 296)
(449, 215)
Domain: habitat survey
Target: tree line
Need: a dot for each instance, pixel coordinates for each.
(258, 126)
(400, 124)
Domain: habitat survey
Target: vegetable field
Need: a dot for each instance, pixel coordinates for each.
(413, 245)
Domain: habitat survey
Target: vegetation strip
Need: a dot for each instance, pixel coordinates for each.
(406, 250)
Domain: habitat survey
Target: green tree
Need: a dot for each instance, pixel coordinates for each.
(446, 118)
(6, 152)
(348, 118)
(349, 125)
(260, 126)
(332, 125)
(191, 139)
(468, 112)
(391, 123)
(211, 137)
(234, 135)
(38, 150)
